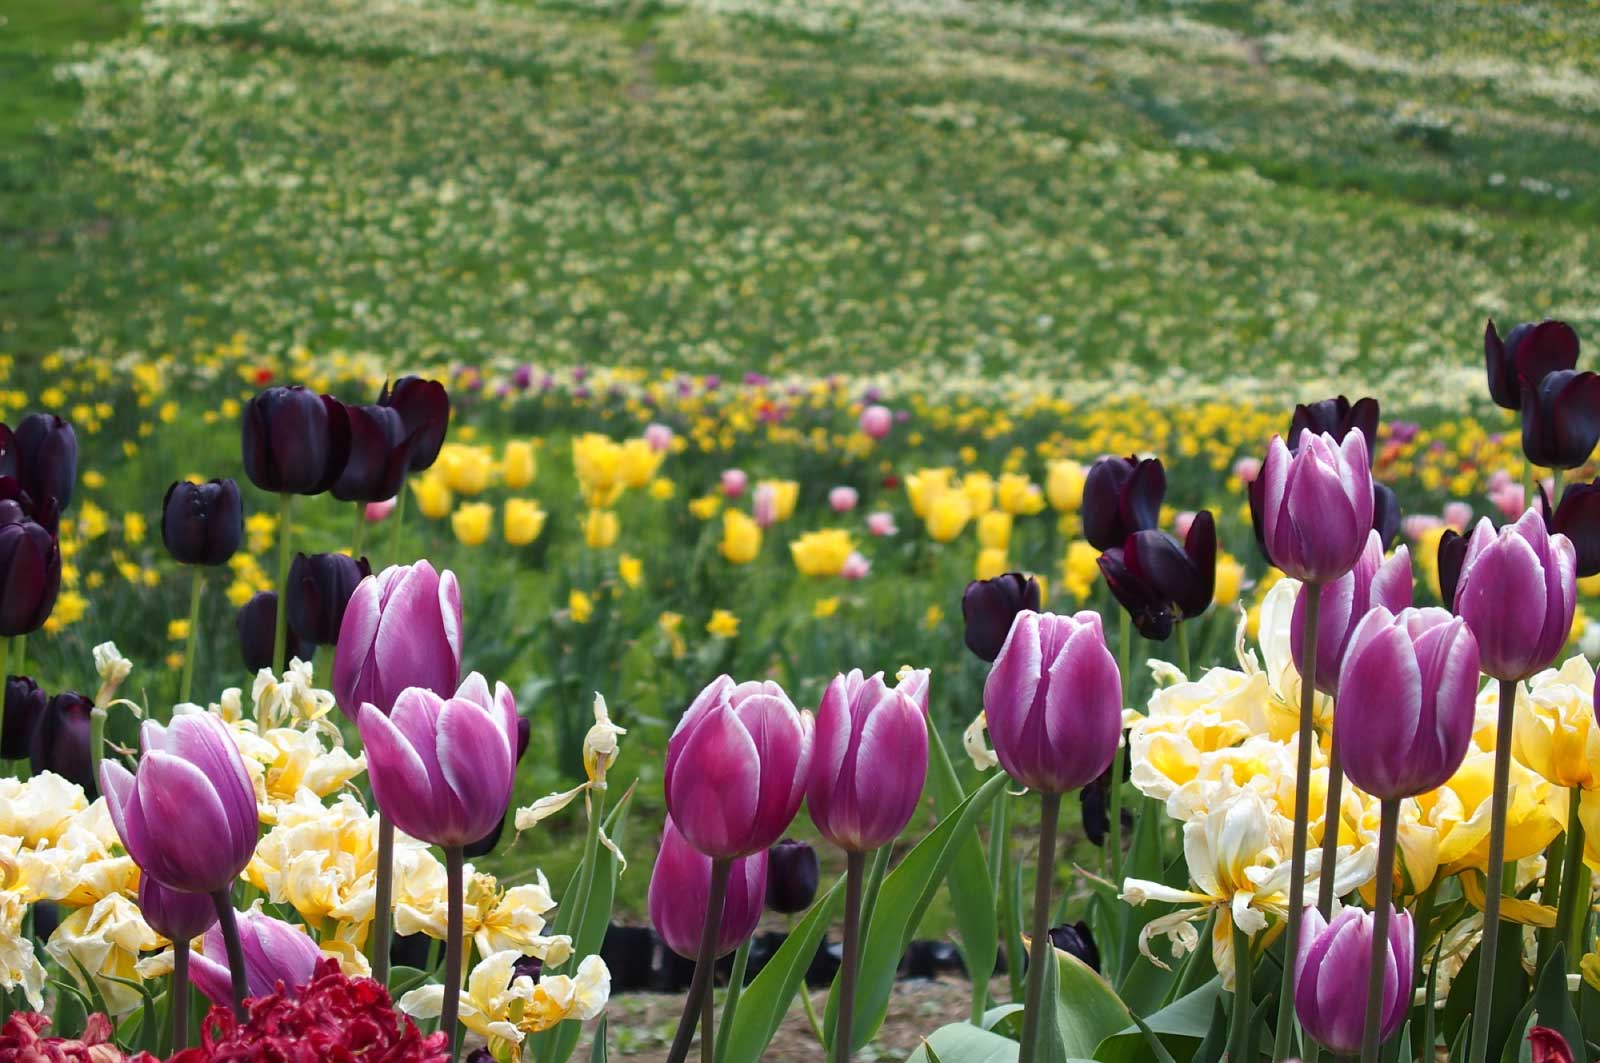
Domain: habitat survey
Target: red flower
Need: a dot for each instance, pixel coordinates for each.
(22, 1041)
(1549, 1046)
(263, 376)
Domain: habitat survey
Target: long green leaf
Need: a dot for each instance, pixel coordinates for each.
(963, 1042)
(1180, 1025)
(971, 888)
(767, 998)
(1055, 1024)
(597, 1052)
(1553, 1004)
(1088, 1009)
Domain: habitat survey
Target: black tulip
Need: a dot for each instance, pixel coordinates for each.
(988, 606)
(1094, 805)
(61, 740)
(1561, 419)
(379, 453)
(202, 524)
(1452, 554)
(792, 874)
(1121, 496)
(480, 1055)
(1337, 417)
(254, 622)
(424, 407)
(1385, 513)
(1076, 939)
(1524, 357)
(25, 705)
(46, 458)
(485, 845)
(319, 589)
(1578, 518)
(1158, 581)
(295, 441)
(30, 572)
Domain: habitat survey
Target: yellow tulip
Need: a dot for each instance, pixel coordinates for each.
(990, 563)
(434, 499)
(630, 570)
(994, 531)
(1063, 485)
(1230, 578)
(1554, 731)
(661, 489)
(638, 462)
(580, 607)
(519, 465)
(1082, 568)
(471, 522)
(785, 493)
(597, 460)
(524, 521)
(600, 529)
(947, 515)
(978, 486)
(822, 552)
(1019, 495)
(467, 470)
(924, 485)
(741, 537)
(706, 506)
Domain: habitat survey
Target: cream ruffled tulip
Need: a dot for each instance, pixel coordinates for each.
(503, 1007)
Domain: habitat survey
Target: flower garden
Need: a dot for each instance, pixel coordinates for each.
(955, 532)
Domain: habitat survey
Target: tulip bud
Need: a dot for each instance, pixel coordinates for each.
(61, 740)
(1345, 601)
(424, 409)
(876, 421)
(380, 454)
(1316, 505)
(1337, 417)
(46, 458)
(843, 499)
(294, 441)
(175, 916)
(792, 875)
(659, 437)
(25, 706)
(881, 524)
(255, 623)
(320, 587)
(764, 505)
(734, 482)
(401, 628)
(870, 760)
(1525, 356)
(274, 952)
(1330, 985)
(1578, 518)
(1053, 701)
(1452, 553)
(736, 767)
(189, 816)
(1406, 701)
(485, 845)
(30, 572)
(1561, 419)
(202, 524)
(1159, 582)
(1517, 592)
(680, 887)
(1076, 939)
(989, 606)
(1121, 496)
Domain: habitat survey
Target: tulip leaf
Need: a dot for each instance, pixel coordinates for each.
(403, 980)
(1216, 1039)
(1056, 1023)
(1158, 1049)
(1180, 1025)
(971, 889)
(1589, 1010)
(963, 1042)
(1007, 1018)
(72, 1009)
(1553, 1004)
(598, 1051)
(765, 1001)
(906, 893)
(1087, 1009)
(1510, 990)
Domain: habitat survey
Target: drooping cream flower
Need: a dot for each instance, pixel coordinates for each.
(105, 939)
(290, 699)
(504, 1007)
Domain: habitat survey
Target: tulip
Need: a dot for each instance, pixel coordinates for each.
(1457, 515)
(881, 524)
(734, 482)
(61, 740)
(485, 845)
(46, 459)
(1330, 976)
(1076, 940)
(1516, 590)
(659, 436)
(1561, 419)
(639, 463)
(255, 623)
(876, 421)
(1523, 358)
(30, 572)
(1316, 506)
(600, 529)
(856, 567)
(472, 522)
(1337, 417)
(792, 875)
(948, 514)
(843, 499)
(764, 505)
(320, 587)
(379, 511)
(1578, 518)
(275, 955)
(380, 454)
(523, 522)
(178, 917)
(1121, 496)
(1063, 485)
(1373, 581)
(869, 761)
(1386, 517)
(518, 466)
(24, 707)
(202, 524)
(1159, 582)
(680, 886)
(295, 441)
(822, 552)
(424, 409)
(990, 606)
(401, 628)
(741, 538)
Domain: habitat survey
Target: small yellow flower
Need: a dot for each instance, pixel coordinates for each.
(825, 607)
(1082, 569)
(741, 537)
(1018, 495)
(630, 570)
(524, 521)
(580, 607)
(434, 499)
(933, 617)
(722, 625)
(994, 530)
(822, 552)
(519, 465)
(471, 522)
(600, 529)
(178, 630)
(706, 506)
(133, 527)
(661, 489)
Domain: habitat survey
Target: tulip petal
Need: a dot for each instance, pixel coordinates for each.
(1008, 693)
(476, 762)
(181, 816)
(400, 782)
(716, 783)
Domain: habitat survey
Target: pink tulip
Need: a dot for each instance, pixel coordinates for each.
(1517, 592)
(1419, 524)
(1247, 469)
(843, 499)
(276, 954)
(659, 437)
(401, 628)
(1458, 515)
(1316, 505)
(734, 482)
(680, 885)
(1510, 500)
(855, 566)
(870, 759)
(736, 767)
(1183, 522)
(376, 512)
(1330, 991)
(881, 524)
(764, 505)
(1373, 581)
(876, 421)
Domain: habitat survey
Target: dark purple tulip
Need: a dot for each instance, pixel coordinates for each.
(792, 875)
(1452, 553)
(1385, 513)
(30, 572)
(61, 741)
(319, 588)
(990, 605)
(295, 441)
(1076, 939)
(424, 408)
(380, 452)
(1578, 518)
(1523, 358)
(46, 458)
(202, 524)
(1337, 417)
(25, 704)
(485, 845)
(1121, 496)
(254, 622)
(1160, 582)
(1561, 419)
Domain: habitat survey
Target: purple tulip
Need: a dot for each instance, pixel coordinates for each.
(202, 524)
(1158, 581)
(30, 572)
(792, 874)
(295, 441)
(380, 454)
(990, 605)
(1316, 505)
(401, 628)
(1578, 518)
(1121, 496)
(870, 759)
(1406, 701)
(485, 845)
(1517, 592)
(175, 916)
(1525, 356)
(1053, 701)
(46, 464)
(736, 767)
(25, 706)
(1561, 419)
(254, 624)
(680, 886)
(188, 817)
(320, 587)
(441, 769)
(1330, 980)
(424, 408)
(60, 740)
(275, 954)
(1373, 581)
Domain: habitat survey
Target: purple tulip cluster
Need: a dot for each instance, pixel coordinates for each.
(38, 468)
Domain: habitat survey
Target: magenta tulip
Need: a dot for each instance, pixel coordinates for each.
(175, 916)
(1053, 701)
(401, 628)
(870, 759)
(1517, 592)
(680, 886)
(1316, 505)
(1406, 704)
(188, 818)
(441, 769)
(1373, 581)
(1330, 992)
(736, 767)
(275, 954)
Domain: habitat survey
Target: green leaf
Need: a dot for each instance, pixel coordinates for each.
(1088, 1010)
(963, 1042)
(1553, 1004)
(1180, 1025)
(1216, 1039)
(1004, 1018)
(906, 893)
(1511, 990)
(766, 999)
(971, 889)
(1156, 1047)
(403, 980)
(597, 1053)
(72, 1009)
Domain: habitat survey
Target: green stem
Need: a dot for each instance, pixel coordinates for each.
(741, 962)
(875, 873)
(361, 530)
(1239, 1036)
(1125, 663)
(843, 1031)
(1033, 1005)
(1330, 832)
(1183, 646)
(1378, 963)
(596, 806)
(805, 996)
(1495, 883)
(455, 920)
(383, 901)
(1302, 809)
(280, 627)
(705, 960)
(180, 995)
(20, 646)
(97, 741)
(229, 925)
(1550, 893)
(194, 634)
(997, 829)
(1569, 925)
(398, 516)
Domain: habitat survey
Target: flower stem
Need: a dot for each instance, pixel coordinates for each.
(280, 626)
(1569, 921)
(383, 902)
(1000, 860)
(707, 1022)
(223, 899)
(361, 528)
(1495, 871)
(595, 804)
(855, 867)
(194, 633)
(1033, 1005)
(97, 743)
(1378, 964)
(1239, 1037)
(700, 984)
(1124, 663)
(394, 533)
(180, 995)
(1331, 817)
(730, 1005)
(1302, 811)
(455, 920)
(1183, 647)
